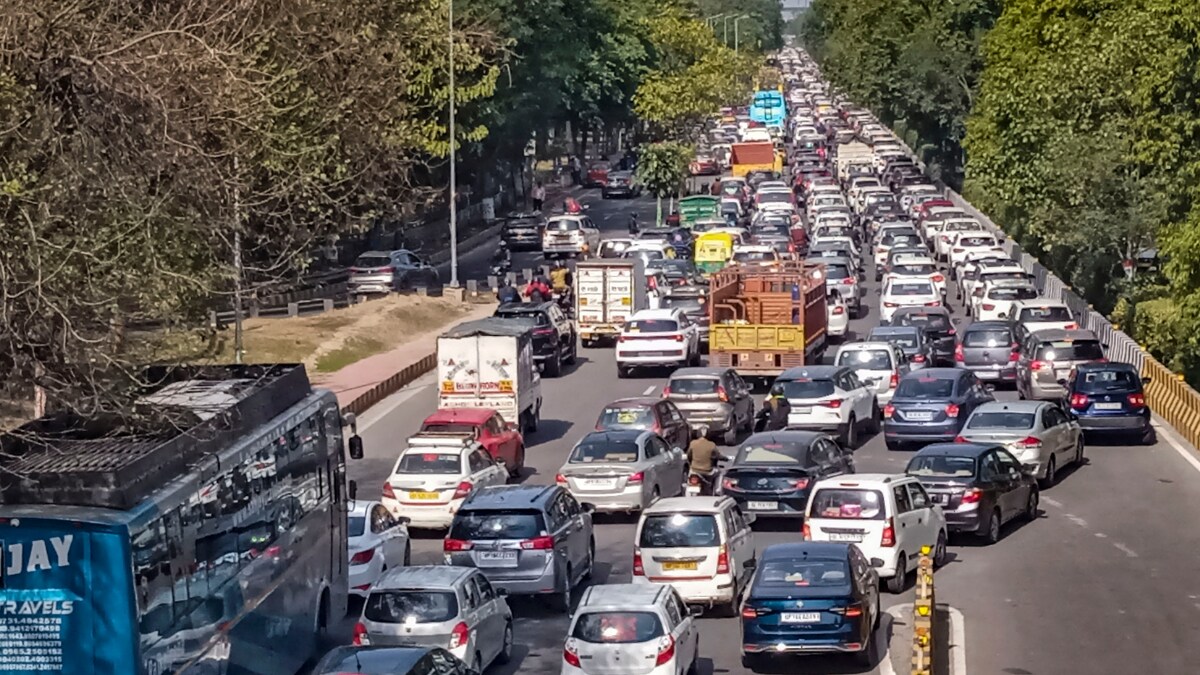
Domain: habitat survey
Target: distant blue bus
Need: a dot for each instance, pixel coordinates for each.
(768, 108)
(214, 543)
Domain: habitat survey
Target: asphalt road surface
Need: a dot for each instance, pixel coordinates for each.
(1105, 581)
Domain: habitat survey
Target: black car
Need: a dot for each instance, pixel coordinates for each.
(773, 471)
(912, 340)
(553, 335)
(979, 487)
(620, 184)
(391, 661)
(523, 231)
(937, 325)
(679, 272)
(931, 405)
(1109, 398)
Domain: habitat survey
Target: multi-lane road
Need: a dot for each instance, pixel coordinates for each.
(1107, 580)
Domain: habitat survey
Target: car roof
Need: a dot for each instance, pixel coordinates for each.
(396, 659)
(614, 435)
(862, 479)
(939, 373)
(697, 504)
(920, 310)
(712, 371)
(423, 576)
(813, 371)
(986, 325)
(1060, 334)
(465, 415)
(866, 344)
(638, 400)
(1014, 406)
(813, 549)
(509, 496)
(621, 595)
(653, 314)
(955, 449)
(894, 330)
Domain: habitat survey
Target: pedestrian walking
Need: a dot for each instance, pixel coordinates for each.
(539, 196)
(576, 170)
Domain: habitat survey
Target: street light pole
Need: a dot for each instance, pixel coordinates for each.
(453, 172)
(737, 34)
(727, 30)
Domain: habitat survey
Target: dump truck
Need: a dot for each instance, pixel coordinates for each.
(489, 363)
(764, 320)
(747, 157)
(607, 293)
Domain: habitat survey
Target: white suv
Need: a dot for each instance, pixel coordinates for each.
(699, 545)
(889, 517)
(878, 364)
(907, 292)
(657, 337)
(831, 399)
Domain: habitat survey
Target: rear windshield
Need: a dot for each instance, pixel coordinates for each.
(773, 197)
(523, 223)
(430, 462)
(1100, 381)
(694, 385)
(1013, 293)
(587, 453)
(612, 249)
(925, 387)
(976, 241)
(1070, 350)
(564, 225)
(357, 524)
(847, 502)
(617, 627)
(1001, 420)
(755, 256)
(914, 269)
(807, 388)
(415, 606)
(836, 271)
(449, 427)
(866, 359)
(902, 339)
(910, 288)
(786, 575)
(684, 303)
(372, 261)
(772, 453)
(899, 238)
(1038, 314)
(999, 337)
(927, 320)
(628, 418)
(679, 530)
(652, 326)
(496, 524)
(941, 466)
(539, 318)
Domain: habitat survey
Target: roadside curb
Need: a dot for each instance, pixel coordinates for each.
(391, 385)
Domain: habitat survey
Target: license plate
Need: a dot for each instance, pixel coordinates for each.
(987, 374)
(678, 566)
(599, 483)
(762, 506)
(801, 409)
(1062, 374)
(800, 617)
(497, 559)
(1108, 406)
(845, 536)
(423, 495)
(919, 415)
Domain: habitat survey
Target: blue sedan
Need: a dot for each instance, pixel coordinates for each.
(930, 406)
(810, 598)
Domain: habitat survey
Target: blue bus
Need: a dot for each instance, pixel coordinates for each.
(768, 108)
(206, 535)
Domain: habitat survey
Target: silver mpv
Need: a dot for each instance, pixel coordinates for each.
(1046, 358)
(455, 608)
(527, 540)
(714, 397)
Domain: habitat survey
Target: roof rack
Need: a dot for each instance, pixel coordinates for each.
(442, 438)
(185, 414)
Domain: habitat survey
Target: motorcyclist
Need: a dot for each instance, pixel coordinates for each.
(507, 292)
(633, 225)
(538, 289)
(703, 456)
(560, 278)
(572, 205)
(775, 411)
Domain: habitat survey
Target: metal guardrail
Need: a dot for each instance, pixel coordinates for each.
(391, 385)
(924, 617)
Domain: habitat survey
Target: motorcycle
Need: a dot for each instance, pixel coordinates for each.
(566, 302)
(699, 484)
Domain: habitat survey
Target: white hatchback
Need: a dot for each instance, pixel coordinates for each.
(995, 298)
(907, 292)
(965, 243)
(878, 364)
(627, 629)
(832, 399)
(837, 314)
(889, 517)
(657, 337)
(435, 474)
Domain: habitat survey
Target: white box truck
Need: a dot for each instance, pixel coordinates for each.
(850, 154)
(607, 293)
(489, 364)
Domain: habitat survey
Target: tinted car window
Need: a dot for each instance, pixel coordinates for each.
(902, 339)
(586, 453)
(1070, 350)
(850, 503)
(418, 606)
(372, 261)
(685, 303)
(652, 326)
(1001, 420)
(925, 388)
(496, 524)
(1045, 314)
(909, 288)
(1100, 381)
(430, 462)
(1013, 293)
(786, 576)
(866, 359)
(914, 269)
(357, 524)
(694, 385)
(617, 627)
(928, 320)
(987, 338)
(836, 271)
(941, 466)
(539, 317)
(807, 388)
(678, 530)
(772, 453)
(564, 225)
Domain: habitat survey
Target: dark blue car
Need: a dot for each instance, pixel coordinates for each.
(1110, 397)
(930, 406)
(810, 598)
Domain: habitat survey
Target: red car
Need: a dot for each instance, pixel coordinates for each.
(597, 175)
(652, 414)
(705, 165)
(502, 440)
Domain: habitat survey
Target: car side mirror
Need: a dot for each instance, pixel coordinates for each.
(352, 489)
(356, 447)
(588, 508)
(877, 562)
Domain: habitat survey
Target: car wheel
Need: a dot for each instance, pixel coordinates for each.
(562, 600)
(1031, 506)
(876, 423)
(408, 555)
(939, 550)
(574, 354)
(1079, 451)
(554, 365)
(897, 583)
(505, 654)
(992, 534)
(1051, 473)
(850, 438)
(514, 471)
(591, 559)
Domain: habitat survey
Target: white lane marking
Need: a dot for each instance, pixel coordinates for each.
(397, 399)
(898, 616)
(1169, 437)
(1125, 549)
(650, 390)
(958, 642)
(1052, 502)
(1077, 520)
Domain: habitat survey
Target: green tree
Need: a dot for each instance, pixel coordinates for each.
(662, 168)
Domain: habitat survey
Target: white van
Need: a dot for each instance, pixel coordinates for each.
(878, 364)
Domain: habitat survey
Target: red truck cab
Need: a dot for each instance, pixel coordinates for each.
(502, 440)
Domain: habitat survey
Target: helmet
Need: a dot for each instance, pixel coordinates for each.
(700, 431)
(777, 390)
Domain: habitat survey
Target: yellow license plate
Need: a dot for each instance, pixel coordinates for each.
(423, 495)
(678, 566)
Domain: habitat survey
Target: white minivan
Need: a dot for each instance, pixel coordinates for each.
(699, 545)
(889, 517)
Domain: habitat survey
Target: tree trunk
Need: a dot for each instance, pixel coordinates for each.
(658, 210)
(583, 146)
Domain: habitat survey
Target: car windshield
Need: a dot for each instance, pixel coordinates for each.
(644, 254)
(926, 388)
(927, 320)
(976, 241)
(1001, 420)
(687, 304)
(899, 238)
(679, 530)
(563, 225)
(772, 453)
(1070, 350)
(941, 466)
(640, 417)
(622, 452)
(372, 261)
(357, 525)
(537, 317)
(910, 288)
(1100, 381)
(905, 340)
(866, 359)
(914, 269)
(694, 385)
(414, 606)
(992, 337)
(449, 427)
(1039, 314)
(613, 249)
(755, 256)
(805, 388)
(837, 271)
(430, 462)
(785, 575)
(621, 627)
(1013, 293)
(521, 224)
(478, 524)
(847, 502)
(652, 326)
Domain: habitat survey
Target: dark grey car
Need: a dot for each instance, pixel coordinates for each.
(987, 349)
(526, 539)
(714, 397)
(911, 340)
(937, 325)
(380, 272)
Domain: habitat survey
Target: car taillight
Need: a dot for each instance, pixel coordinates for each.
(464, 488)
(460, 635)
(958, 250)
(972, 496)
(560, 479)
(677, 338)
(889, 410)
(800, 483)
(544, 543)
(952, 410)
(806, 532)
(888, 539)
(918, 358)
(848, 281)
(638, 570)
(666, 650)
(935, 303)
(362, 557)
(1079, 401)
(543, 331)
(722, 394)
(723, 561)
(635, 478)
(987, 307)
(1028, 443)
(451, 545)
(958, 353)
(388, 492)
(890, 304)
(848, 612)
(361, 639)
(728, 484)
(834, 403)
(937, 278)
(1137, 400)
(620, 338)
(1039, 365)
(961, 439)
(570, 655)
(749, 613)
(1071, 326)
(1014, 355)
(837, 311)
(894, 381)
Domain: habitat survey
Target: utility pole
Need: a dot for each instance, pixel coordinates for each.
(453, 173)
(238, 347)
(736, 33)
(727, 30)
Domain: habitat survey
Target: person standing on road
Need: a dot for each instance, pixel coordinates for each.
(576, 170)
(539, 196)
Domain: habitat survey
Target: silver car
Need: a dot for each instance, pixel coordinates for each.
(623, 471)
(1040, 434)
(381, 272)
(455, 608)
(714, 397)
(1045, 360)
(527, 539)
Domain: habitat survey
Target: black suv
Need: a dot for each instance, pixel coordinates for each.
(523, 231)
(553, 337)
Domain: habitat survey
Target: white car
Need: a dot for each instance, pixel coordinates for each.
(878, 364)
(937, 216)
(968, 272)
(657, 337)
(1041, 314)
(831, 399)
(376, 540)
(910, 267)
(971, 241)
(435, 474)
(995, 298)
(627, 629)
(889, 517)
(944, 239)
(906, 292)
(699, 545)
(573, 235)
(826, 200)
(755, 254)
(838, 314)
(990, 270)
(838, 240)
(842, 276)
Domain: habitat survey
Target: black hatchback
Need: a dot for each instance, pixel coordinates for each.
(1109, 397)
(773, 471)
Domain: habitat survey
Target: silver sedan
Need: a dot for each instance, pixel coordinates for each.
(1040, 433)
(623, 471)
